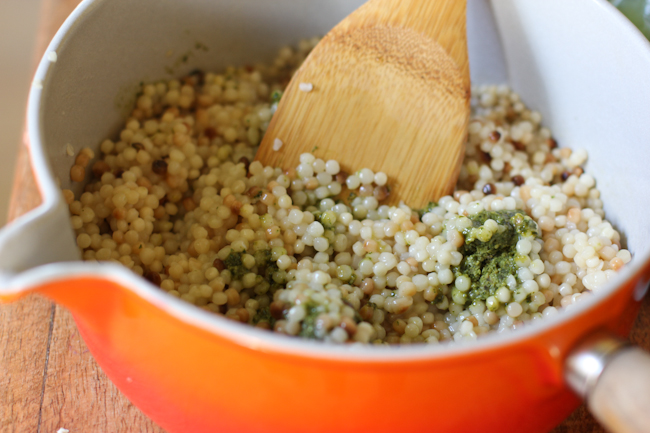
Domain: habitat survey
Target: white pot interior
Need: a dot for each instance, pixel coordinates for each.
(580, 63)
(577, 62)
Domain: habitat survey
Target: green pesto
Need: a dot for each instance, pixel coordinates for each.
(308, 329)
(327, 219)
(264, 315)
(235, 265)
(276, 96)
(265, 267)
(516, 221)
(488, 264)
(262, 257)
(268, 269)
(275, 277)
(428, 208)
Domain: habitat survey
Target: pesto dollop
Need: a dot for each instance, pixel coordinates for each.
(235, 265)
(489, 260)
(265, 268)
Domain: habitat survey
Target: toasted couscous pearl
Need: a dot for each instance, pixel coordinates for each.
(332, 167)
(462, 283)
(514, 309)
(381, 178)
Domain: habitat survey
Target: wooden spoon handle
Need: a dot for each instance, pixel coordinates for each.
(614, 378)
(621, 398)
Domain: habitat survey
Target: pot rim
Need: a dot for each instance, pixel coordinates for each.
(246, 335)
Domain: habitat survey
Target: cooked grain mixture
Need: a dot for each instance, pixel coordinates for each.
(312, 251)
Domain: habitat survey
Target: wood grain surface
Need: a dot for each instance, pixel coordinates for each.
(49, 380)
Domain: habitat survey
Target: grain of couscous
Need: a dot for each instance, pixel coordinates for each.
(177, 199)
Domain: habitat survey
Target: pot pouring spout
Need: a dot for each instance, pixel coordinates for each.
(42, 236)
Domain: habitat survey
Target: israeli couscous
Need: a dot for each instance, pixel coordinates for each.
(312, 251)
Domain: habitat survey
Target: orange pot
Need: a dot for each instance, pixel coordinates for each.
(193, 371)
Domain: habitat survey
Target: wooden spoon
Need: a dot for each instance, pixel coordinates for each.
(391, 92)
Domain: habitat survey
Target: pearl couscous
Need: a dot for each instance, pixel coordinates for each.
(312, 251)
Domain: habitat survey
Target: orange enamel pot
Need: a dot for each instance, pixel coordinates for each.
(190, 371)
(579, 62)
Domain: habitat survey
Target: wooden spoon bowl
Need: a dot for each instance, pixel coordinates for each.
(390, 92)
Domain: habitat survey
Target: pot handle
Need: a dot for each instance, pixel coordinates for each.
(614, 379)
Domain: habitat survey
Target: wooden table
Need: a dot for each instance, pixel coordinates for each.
(49, 380)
